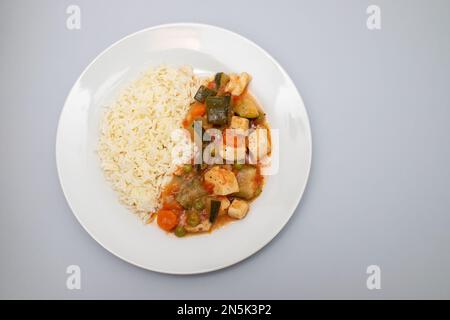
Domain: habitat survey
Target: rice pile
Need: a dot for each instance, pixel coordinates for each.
(135, 135)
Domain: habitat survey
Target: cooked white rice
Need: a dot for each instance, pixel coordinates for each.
(135, 137)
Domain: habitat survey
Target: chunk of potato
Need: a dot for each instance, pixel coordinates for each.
(238, 209)
(237, 83)
(258, 143)
(224, 181)
(224, 205)
(239, 123)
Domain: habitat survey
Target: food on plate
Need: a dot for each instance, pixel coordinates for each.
(238, 208)
(135, 135)
(224, 130)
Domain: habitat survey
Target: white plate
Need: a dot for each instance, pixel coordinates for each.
(94, 203)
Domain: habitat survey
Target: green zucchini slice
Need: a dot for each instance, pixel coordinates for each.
(204, 92)
(215, 206)
(218, 109)
(221, 79)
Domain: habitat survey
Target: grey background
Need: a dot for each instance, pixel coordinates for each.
(379, 190)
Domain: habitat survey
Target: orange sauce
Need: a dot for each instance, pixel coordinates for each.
(222, 221)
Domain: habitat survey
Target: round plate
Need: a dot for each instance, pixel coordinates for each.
(95, 204)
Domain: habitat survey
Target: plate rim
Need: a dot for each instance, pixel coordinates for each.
(309, 143)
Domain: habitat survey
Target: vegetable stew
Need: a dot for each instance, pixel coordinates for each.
(204, 196)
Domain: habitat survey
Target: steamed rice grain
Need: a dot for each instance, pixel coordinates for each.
(135, 135)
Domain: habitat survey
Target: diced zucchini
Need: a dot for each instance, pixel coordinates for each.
(204, 92)
(246, 107)
(248, 186)
(221, 79)
(215, 206)
(218, 109)
(224, 204)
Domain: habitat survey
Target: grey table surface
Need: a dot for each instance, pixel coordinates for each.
(379, 190)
